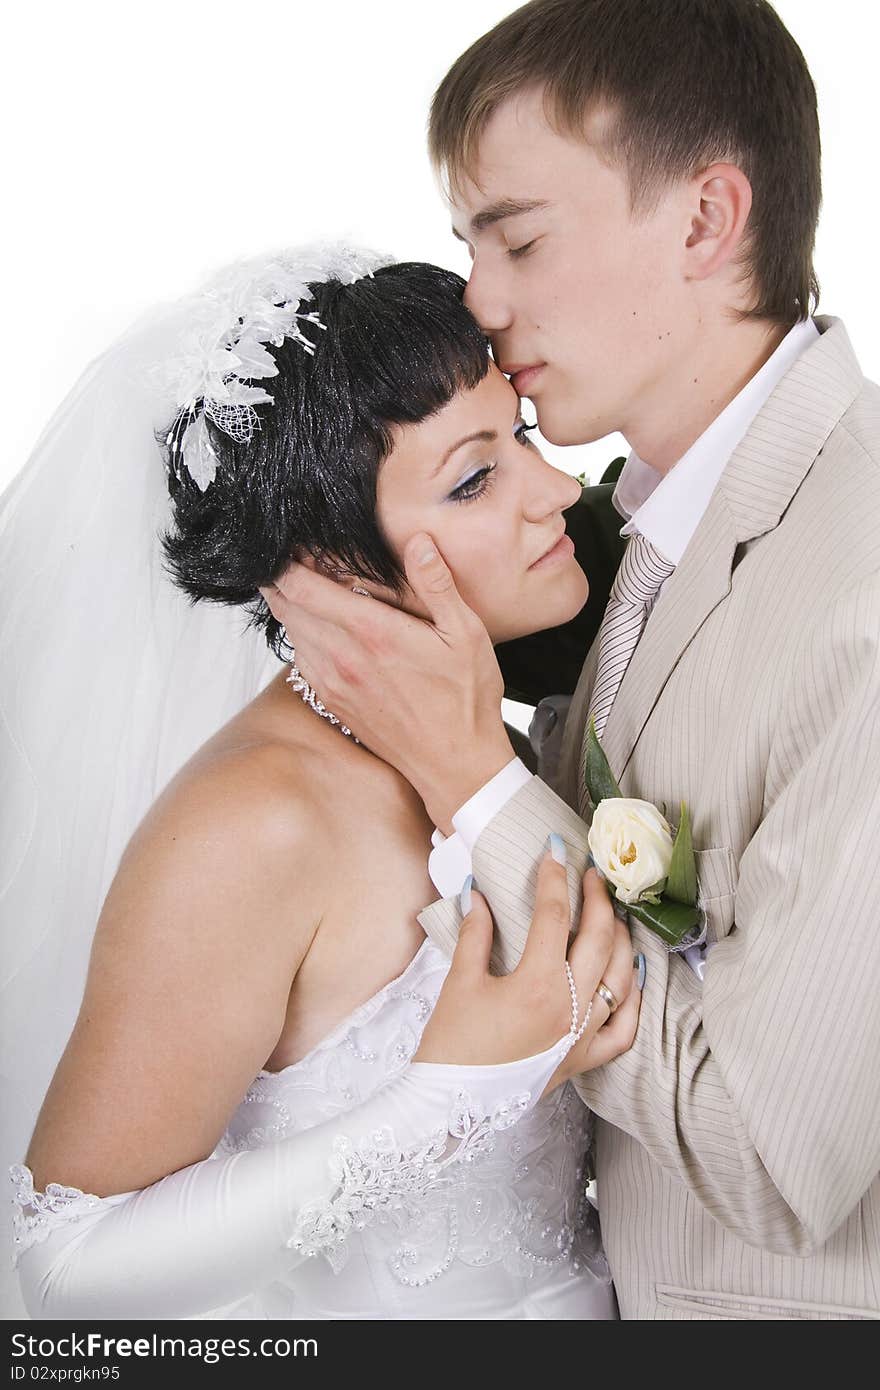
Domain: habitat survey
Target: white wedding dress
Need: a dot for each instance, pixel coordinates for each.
(508, 1235)
(515, 1239)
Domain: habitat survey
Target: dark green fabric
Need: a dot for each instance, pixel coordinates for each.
(549, 663)
(613, 471)
(522, 747)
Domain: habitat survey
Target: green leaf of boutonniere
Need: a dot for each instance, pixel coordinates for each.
(599, 778)
(671, 921)
(681, 882)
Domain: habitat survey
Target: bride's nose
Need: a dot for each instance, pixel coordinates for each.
(548, 490)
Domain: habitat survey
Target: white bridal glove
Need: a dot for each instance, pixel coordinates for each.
(212, 1233)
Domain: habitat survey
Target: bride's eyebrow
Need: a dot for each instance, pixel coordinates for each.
(480, 436)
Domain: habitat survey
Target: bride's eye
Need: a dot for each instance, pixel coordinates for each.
(516, 252)
(521, 432)
(477, 485)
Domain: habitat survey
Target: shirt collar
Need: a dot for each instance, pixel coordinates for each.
(667, 510)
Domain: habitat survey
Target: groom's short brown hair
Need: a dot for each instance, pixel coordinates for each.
(687, 82)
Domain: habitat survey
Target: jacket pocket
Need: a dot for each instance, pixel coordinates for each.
(716, 877)
(708, 1303)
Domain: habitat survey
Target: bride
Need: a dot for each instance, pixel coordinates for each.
(249, 1117)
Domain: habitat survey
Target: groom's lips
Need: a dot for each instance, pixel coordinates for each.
(522, 375)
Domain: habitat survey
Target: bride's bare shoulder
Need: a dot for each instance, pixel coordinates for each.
(213, 908)
(248, 807)
(230, 865)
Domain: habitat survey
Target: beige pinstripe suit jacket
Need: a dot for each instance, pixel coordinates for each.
(739, 1140)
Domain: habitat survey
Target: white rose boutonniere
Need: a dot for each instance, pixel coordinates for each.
(632, 845)
(650, 868)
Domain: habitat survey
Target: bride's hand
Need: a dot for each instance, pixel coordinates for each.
(483, 1019)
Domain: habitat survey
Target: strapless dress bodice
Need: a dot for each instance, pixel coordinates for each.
(513, 1238)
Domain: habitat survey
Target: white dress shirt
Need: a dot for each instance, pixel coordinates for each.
(666, 510)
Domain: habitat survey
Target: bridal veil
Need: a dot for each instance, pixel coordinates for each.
(109, 680)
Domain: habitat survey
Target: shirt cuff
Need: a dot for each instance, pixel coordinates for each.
(449, 862)
(473, 817)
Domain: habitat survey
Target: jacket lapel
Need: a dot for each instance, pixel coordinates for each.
(756, 488)
(692, 592)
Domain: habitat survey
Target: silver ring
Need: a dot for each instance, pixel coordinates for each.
(607, 997)
(356, 589)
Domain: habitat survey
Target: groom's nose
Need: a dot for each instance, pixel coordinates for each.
(485, 297)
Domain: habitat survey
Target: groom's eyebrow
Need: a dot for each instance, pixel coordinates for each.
(498, 211)
(481, 436)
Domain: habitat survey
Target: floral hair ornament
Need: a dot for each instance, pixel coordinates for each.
(223, 351)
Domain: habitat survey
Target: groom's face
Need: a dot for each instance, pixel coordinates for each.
(591, 300)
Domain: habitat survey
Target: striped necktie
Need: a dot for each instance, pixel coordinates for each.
(642, 571)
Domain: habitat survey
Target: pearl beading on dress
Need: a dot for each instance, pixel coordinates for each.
(374, 1174)
(517, 1209)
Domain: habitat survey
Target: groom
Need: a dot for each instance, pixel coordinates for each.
(638, 185)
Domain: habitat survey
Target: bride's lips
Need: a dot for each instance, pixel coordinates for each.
(522, 376)
(561, 549)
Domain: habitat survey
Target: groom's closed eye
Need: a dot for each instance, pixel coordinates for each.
(515, 253)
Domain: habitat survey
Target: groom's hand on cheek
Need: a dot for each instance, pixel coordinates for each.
(423, 694)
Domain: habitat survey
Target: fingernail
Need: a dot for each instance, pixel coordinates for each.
(591, 863)
(641, 966)
(465, 895)
(556, 846)
(425, 553)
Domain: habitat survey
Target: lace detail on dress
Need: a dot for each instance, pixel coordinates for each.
(37, 1214)
(377, 1178)
(521, 1208)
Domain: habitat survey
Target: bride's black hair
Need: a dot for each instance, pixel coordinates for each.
(397, 346)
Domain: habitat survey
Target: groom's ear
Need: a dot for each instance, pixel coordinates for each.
(719, 200)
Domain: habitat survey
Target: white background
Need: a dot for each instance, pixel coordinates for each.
(147, 144)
